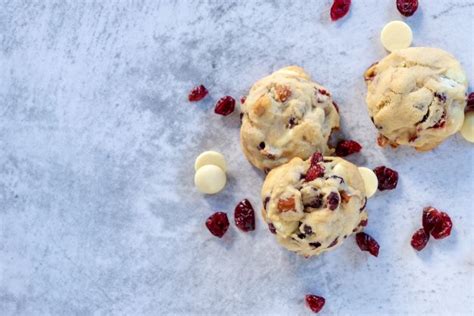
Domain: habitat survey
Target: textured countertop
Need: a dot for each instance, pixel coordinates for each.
(98, 212)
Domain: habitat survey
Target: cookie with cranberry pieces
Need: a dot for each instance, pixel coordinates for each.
(314, 205)
(416, 97)
(286, 115)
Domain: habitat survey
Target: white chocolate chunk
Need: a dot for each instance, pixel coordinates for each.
(467, 129)
(210, 158)
(210, 179)
(370, 180)
(396, 35)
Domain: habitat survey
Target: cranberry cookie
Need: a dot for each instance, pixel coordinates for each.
(416, 96)
(286, 115)
(313, 205)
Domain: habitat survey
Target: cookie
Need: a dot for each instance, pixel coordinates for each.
(286, 115)
(416, 96)
(312, 206)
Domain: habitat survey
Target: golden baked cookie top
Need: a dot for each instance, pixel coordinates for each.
(286, 115)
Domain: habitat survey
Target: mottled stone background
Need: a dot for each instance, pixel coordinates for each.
(98, 210)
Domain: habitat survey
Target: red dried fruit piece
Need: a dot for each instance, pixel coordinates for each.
(292, 122)
(388, 178)
(242, 99)
(334, 242)
(407, 7)
(314, 172)
(441, 122)
(272, 228)
(244, 216)
(314, 302)
(265, 202)
(346, 147)
(335, 105)
(430, 218)
(412, 138)
(364, 205)
(315, 202)
(442, 228)
(315, 158)
(218, 223)
(285, 205)
(339, 9)
(419, 239)
(225, 106)
(440, 96)
(324, 92)
(470, 102)
(333, 200)
(363, 223)
(367, 243)
(197, 93)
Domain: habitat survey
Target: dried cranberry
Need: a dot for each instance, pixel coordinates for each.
(265, 202)
(365, 204)
(470, 102)
(407, 7)
(441, 122)
(346, 147)
(339, 9)
(261, 145)
(314, 172)
(315, 244)
(334, 242)
(307, 230)
(430, 218)
(442, 228)
(363, 223)
(333, 200)
(197, 93)
(314, 302)
(272, 228)
(441, 97)
(244, 216)
(412, 138)
(419, 239)
(242, 99)
(388, 178)
(367, 243)
(291, 122)
(315, 202)
(218, 223)
(315, 158)
(225, 106)
(323, 92)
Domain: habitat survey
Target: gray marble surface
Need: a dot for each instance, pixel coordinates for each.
(98, 210)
